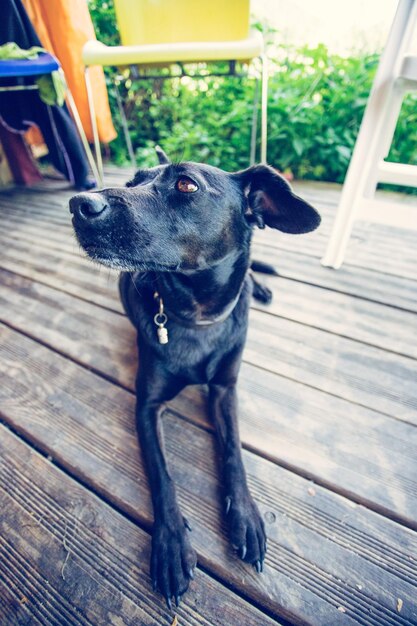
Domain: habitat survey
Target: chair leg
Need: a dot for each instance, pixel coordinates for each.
(345, 216)
(93, 118)
(385, 135)
(124, 125)
(365, 152)
(76, 116)
(364, 161)
(393, 113)
(264, 108)
(254, 129)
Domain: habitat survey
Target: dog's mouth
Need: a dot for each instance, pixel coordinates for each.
(125, 262)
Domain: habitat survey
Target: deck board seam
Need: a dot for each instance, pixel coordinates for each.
(342, 533)
(83, 543)
(327, 587)
(345, 293)
(351, 266)
(334, 395)
(69, 293)
(343, 492)
(330, 588)
(261, 309)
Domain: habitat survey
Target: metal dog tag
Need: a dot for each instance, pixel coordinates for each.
(160, 320)
(162, 334)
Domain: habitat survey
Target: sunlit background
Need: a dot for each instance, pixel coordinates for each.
(343, 26)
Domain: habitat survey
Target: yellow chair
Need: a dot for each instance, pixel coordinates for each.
(166, 32)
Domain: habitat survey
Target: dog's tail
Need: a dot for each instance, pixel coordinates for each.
(263, 268)
(261, 292)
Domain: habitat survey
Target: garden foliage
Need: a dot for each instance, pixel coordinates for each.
(316, 102)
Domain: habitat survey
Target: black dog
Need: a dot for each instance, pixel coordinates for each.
(182, 232)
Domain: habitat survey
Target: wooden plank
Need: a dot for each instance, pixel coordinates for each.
(363, 251)
(13, 217)
(324, 551)
(372, 246)
(362, 283)
(51, 209)
(76, 276)
(70, 325)
(55, 241)
(357, 451)
(356, 372)
(392, 251)
(68, 558)
(369, 322)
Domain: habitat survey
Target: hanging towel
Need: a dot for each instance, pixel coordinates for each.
(64, 26)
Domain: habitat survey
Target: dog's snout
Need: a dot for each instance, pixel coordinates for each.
(88, 205)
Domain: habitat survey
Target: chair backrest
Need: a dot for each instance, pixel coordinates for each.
(143, 22)
(44, 64)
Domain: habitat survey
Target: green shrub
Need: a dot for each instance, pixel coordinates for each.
(316, 102)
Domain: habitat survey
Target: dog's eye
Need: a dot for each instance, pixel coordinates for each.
(186, 185)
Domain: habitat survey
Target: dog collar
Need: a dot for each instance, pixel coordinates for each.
(161, 318)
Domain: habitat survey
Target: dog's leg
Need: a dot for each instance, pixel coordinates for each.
(247, 530)
(173, 558)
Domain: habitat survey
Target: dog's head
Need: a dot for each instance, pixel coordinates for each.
(185, 216)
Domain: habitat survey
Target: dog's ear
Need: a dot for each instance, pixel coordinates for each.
(162, 157)
(271, 201)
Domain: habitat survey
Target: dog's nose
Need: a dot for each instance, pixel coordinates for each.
(88, 205)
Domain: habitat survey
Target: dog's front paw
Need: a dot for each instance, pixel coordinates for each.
(247, 530)
(173, 559)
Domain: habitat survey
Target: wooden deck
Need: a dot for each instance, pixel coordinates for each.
(328, 404)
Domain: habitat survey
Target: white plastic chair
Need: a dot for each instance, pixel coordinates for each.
(396, 75)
